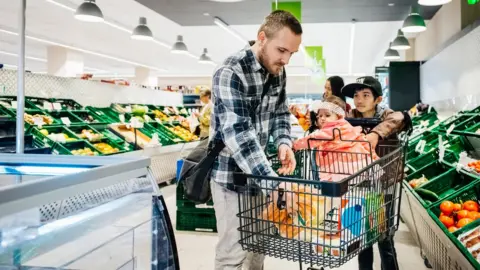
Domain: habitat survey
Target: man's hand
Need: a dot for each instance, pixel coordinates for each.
(287, 158)
(373, 139)
(289, 198)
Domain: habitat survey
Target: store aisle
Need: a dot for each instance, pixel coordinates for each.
(197, 249)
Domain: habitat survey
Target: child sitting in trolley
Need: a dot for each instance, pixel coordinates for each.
(339, 149)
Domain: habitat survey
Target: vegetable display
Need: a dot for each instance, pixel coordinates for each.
(456, 215)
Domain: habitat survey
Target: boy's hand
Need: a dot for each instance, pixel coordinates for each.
(287, 158)
(373, 139)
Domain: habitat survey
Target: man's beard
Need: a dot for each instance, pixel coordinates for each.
(264, 60)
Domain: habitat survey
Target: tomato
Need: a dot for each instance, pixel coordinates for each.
(446, 207)
(452, 229)
(457, 207)
(470, 206)
(447, 221)
(462, 214)
(462, 222)
(472, 215)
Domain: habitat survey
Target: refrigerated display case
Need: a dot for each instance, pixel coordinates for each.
(59, 212)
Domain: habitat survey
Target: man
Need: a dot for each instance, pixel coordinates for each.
(367, 95)
(250, 105)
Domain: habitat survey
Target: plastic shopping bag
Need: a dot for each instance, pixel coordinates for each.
(193, 122)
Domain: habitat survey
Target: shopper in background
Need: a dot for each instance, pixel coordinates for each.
(205, 113)
(333, 87)
(367, 96)
(249, 106)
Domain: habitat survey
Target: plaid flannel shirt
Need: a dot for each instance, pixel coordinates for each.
(243, 120)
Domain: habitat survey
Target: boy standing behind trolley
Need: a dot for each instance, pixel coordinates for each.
(367, 95)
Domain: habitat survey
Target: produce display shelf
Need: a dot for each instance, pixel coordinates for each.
(86, 149)
(107, 133)
(120, 148)
(164, 133)
(60, 115)
(6, 102)
(45, 134)
(67, 104)
(88, 117)
(448, 182)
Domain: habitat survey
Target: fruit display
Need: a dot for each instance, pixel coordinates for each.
(90, 135)
(456, 215)
(129, 135)
(475, 166)
(57, 137)
(160, 115)
(183, 133)
(139, 110)
(414, 183)
(86, 151)
(106, 149)
(38, 119)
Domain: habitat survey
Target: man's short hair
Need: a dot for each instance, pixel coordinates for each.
(337, 101)
(206, 93)
(279, 19)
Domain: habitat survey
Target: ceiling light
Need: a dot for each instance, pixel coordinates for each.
(142, 32)
(227, 28)
(179, 46)
(414, 23)
(204, 58)
(84, 51)
(391, 54)
(400, 43)
(226, 1)
(391, 4)
(433, 2)
(88, 11)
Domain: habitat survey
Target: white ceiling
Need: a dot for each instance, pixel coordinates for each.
(55, 24)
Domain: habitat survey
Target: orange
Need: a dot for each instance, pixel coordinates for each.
(457, 207)
(446, 207)
(470, 206)
(447, 221)
(462, 222)
(462, 214)
(452, 229)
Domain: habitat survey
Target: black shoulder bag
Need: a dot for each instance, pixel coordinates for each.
(197, 166)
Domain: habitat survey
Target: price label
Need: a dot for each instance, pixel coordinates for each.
(47, 105)
(57, 106)
(158, 120)
(128, 109)
(441, 147)
(421, 146)
(166, 111)
(66, 121)
(14, 104)
(429, 108)
(38, 121)
(122, 118)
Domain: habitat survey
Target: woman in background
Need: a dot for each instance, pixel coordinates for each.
(333, 87)
(206, 111)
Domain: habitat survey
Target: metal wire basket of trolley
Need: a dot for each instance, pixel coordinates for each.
(335, 205)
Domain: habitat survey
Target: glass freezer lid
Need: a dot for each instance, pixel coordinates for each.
(42, 169)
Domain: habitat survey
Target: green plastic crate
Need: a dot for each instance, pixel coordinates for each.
(472, 131)
(59, 149)
(67, 104)
(108, 114)
(70, 146)
(58, 115)
(38, 102)
(166, 136)
(8, 100)
(88, 117)
(424, 160)
(196, 220)
(103, 128)
(184, 203)
(123, 148)
(53, 130)
(446, 184)
(470, 192)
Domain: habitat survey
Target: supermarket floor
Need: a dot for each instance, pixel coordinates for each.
(197, 250)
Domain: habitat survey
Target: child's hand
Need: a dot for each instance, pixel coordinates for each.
(373, 139)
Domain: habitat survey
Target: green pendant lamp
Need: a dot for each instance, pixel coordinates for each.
(433, 2)
(400, 43)
(391, 54)
(414, 23)
(88, 11)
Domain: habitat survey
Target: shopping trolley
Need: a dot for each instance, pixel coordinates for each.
(319, 222)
